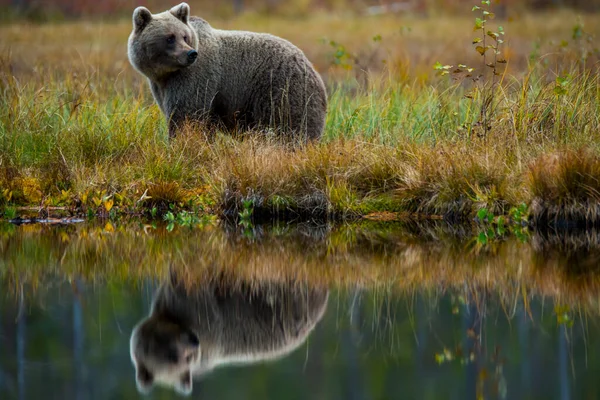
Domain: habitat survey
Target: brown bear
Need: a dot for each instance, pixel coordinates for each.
(190, 331)
(227, 80)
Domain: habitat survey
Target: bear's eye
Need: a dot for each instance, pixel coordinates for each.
(185, 39)
(171, 39)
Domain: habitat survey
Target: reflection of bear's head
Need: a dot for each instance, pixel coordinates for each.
(164, 349)
(162, 43)
(189, 332)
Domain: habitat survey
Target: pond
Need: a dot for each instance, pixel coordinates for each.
(366, 310)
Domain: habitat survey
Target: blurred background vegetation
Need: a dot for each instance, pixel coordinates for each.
(45, 10)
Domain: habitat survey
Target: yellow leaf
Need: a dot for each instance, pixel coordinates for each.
(439, 358)
(109, 227)
(108, 204)
(64, 237)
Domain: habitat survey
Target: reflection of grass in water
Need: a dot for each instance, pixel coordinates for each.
(397, 259)
(388, 266)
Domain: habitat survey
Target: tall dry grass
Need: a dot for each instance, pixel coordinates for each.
(78, 128)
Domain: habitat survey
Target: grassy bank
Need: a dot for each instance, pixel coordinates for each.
(79, 130)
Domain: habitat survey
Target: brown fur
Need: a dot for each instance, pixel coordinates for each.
(192, 331)
(240, 80)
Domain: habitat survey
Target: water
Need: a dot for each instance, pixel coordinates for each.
(362, 311)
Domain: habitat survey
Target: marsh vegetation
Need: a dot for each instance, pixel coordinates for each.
(79, 130)
(436, 120)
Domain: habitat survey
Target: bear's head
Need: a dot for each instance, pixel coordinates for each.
(163, 43)
(164, 352)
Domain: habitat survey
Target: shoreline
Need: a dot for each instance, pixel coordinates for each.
(538, 215)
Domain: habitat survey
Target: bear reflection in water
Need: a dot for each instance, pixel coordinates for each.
(189, 332)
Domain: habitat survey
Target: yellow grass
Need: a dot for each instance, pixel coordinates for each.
(411, 44)
(79, 129)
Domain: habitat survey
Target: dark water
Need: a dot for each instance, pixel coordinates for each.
(367, 312)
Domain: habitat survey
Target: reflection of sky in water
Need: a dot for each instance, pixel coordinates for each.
(71, 341)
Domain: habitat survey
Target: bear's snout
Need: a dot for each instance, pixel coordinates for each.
(192, 55)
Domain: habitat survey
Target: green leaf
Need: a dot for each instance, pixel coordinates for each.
(438, 66)
(477, 40)
(482, 239)
(577, 31)
(501, 225)
(482, 214)
(481, 50)
(522, 208)
(475, 8)
(560, 91)
(563, 80)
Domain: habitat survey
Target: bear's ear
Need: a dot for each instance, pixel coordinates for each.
(141, 18)
(181, 12)
(185, 383)
(144, 379)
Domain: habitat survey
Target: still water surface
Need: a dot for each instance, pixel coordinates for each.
(365, 311)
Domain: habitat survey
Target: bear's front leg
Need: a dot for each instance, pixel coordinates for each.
(176, 123)
(172, 130)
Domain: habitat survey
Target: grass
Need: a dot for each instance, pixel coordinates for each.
(79, 130)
